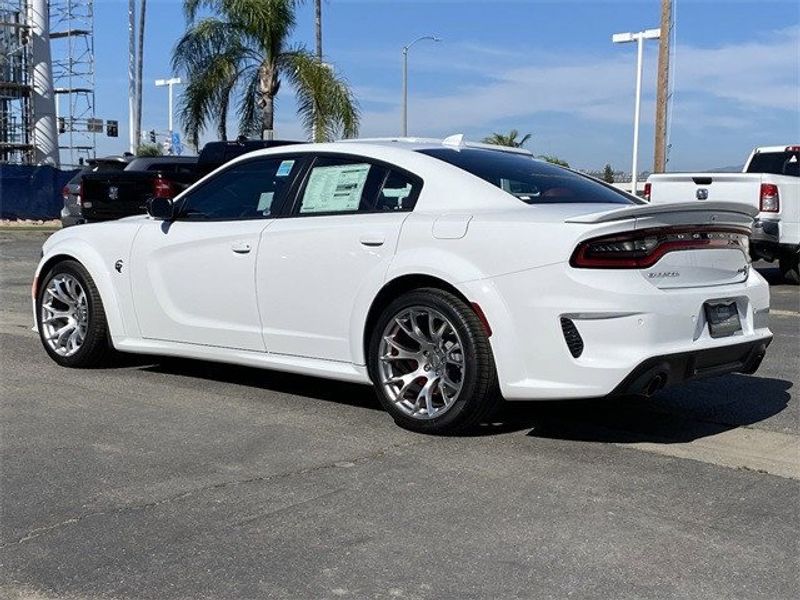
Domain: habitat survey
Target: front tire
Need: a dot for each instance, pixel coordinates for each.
(431, 363)
(71, 318)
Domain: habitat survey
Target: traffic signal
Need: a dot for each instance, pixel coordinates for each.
(152, 136)
(112, 128)
(62, 125)
(94, 125)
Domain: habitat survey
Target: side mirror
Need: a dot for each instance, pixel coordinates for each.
(161, 208)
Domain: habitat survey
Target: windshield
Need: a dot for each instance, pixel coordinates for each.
(530, 180)
(775, 163)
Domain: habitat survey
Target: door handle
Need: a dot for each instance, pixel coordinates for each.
(372, 240)
(241, 247)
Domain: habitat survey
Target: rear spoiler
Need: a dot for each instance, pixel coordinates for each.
(644, 210)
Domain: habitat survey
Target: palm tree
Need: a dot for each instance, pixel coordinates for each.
(551, 158)
(244, 52)
(507, 139)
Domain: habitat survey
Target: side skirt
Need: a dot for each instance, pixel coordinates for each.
(300, 365)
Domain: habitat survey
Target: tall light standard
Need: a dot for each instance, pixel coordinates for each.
(639, 38)
(433, 38)
(169, 83)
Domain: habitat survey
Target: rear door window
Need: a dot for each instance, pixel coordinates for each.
(340, 185)
(345, 184)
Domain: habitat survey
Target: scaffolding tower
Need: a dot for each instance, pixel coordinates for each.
(72, 48)
(16, 89)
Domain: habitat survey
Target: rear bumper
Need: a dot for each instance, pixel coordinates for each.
(765, 239)
(71, 217)
(661, 371)
(627, 325)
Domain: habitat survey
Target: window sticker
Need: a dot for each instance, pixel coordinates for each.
(335, 189)
(284, 168)
(399, 193)
(265, 203)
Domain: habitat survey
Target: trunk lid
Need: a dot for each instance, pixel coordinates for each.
(672, 245)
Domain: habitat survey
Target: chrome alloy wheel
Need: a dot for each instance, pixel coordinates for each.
(422, 363)
(64, 314)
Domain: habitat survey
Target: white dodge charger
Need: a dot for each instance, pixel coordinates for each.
(447, 274)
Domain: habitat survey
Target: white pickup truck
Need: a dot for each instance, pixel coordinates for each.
(770, 181)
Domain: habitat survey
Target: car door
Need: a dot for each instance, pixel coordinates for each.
(337, 241)
(193, 278)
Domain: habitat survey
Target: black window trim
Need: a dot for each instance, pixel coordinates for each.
(294, 210)
(288, 197)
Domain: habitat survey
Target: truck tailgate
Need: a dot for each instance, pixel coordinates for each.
(115, 195)
(704, 187)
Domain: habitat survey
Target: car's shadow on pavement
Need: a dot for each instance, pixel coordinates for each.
(275, 381)
(771, 273)
(680, 414)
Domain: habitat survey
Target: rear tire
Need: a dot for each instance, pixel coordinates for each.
(431, 363)
(790, 266)
(71, 318)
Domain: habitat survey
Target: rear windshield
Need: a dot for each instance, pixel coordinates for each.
(530, 180)
(99, 166)
(776, 163)
(163, 166)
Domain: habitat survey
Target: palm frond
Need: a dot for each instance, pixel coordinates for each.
(507, 139)
(325, 103)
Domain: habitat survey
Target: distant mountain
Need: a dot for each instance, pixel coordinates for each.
(724, 170)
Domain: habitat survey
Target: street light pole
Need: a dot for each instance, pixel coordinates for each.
(169, 83)
(639, 38)
(637, 111)
(405, 77)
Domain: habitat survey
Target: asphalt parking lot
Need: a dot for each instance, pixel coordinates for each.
(176, 479)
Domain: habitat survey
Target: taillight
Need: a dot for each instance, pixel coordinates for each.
(162, 188)
(65, 193)
(647, 188)
(79, 198)
(770, 201)
(792, 148)
(644, 248)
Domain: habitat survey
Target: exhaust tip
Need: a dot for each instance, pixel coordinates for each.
(656, 384)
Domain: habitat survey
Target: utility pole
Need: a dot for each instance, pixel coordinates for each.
(660, 154)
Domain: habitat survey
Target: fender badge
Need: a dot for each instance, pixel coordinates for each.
(118, 266)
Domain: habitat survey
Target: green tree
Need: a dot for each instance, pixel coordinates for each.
(608, 174)
(554, 160)
(149, 150)
(244, 52)
(507, 139)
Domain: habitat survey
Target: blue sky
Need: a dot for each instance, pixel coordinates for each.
(541, 66)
